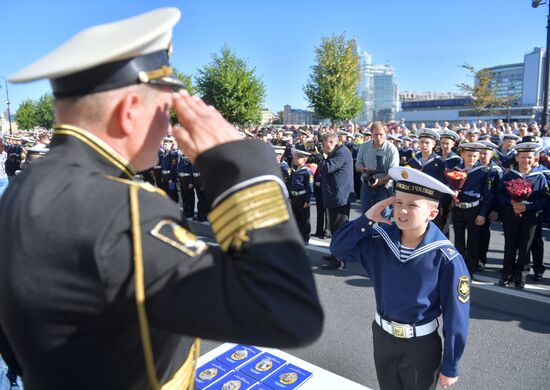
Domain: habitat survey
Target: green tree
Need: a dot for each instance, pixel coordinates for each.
(188, 82)
(25, 115)
(482, 91)
(228, 84)
(332, 86)
(44, 111)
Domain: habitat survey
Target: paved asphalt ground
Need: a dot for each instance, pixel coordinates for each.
(509, 341)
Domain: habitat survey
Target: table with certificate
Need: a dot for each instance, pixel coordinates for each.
(243, 367)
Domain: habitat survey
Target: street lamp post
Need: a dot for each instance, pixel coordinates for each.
(7, 102)
(544, 119)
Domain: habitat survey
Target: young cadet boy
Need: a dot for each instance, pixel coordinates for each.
(417, 275)
(520, 218)
(301, 189)
(474, 204)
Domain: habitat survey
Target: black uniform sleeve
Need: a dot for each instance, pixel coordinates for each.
(256, 287)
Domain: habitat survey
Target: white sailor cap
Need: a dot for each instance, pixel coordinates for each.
(474, 130)
(527, 147)
(413, 181)
(471, 146)
(110, 56)
(428, 133)
(489, 145)
(279, 149)
(303, 132)
(446, 133)
(512, 137)
(407, 138)
(342, 132)
(301, 153)
(38, 149)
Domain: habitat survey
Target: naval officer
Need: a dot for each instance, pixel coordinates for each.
(102, 285)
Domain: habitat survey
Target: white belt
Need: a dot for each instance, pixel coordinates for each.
(196, 174)
(184, 174)
(464, 205)
(405, 331)
(165, 172)
(298, 193)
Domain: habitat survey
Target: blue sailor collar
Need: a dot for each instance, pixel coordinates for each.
(534, 171)
(476, 167)
(452, 155)
(433, 240)
(418, 158)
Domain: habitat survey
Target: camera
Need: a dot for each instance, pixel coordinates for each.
(370, 179)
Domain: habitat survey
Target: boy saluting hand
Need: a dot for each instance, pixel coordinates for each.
(417, 275)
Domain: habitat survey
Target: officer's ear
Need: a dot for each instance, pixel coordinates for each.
(128, 112)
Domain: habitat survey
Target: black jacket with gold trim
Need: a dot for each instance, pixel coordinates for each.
(68, 315)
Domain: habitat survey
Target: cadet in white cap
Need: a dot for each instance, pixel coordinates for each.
(495, 175)
(106, 287)
(473, 205)
(417, 275)
(519, 214)
(301, 189)
(506, 153)
(472, 135)
(429, 162)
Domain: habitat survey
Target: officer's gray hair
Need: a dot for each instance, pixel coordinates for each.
(330, 135)
(96, 108)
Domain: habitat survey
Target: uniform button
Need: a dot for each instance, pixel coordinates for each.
(370, 222)
(362, 230)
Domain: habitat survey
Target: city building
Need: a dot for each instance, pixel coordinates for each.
(507, 81)
(267, 116)
(522, 81)
(293, 116)
(415, 96)
(378, 89)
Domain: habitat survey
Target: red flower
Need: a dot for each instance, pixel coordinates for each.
(519, 189)
(455, 179)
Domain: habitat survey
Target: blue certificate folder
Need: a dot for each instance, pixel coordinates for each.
(263, 366)
(288, 377)
(235, 380)
(209, 373)
(238, 356)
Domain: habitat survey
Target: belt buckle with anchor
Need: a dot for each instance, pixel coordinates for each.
(398, 330)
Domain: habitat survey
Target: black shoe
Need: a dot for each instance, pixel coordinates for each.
(503, 283)
(333, 265)
(537, 277)
(520, 284)
(329, 258)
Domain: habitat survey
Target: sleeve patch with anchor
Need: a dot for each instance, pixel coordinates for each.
(180, 238)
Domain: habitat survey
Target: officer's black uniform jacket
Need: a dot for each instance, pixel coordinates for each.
(67, 283)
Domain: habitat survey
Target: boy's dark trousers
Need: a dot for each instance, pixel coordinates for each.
(464, 221)
(202, 206)
(302, 215)
(187, 195)
(537, 250)
(484, 238)
(403, 364)
(322, 214)
(518, 238)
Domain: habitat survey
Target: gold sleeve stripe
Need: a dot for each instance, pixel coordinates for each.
(257, 203)
(253, 219)
(255, 207)
(184, 377)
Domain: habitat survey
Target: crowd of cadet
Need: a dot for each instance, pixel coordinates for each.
(489, 154)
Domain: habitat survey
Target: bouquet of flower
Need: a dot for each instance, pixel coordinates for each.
(455, 180)
(519, 190)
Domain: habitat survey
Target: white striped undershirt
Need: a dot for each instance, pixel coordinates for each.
(405, 252)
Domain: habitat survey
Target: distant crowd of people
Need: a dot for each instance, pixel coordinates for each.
(338, 165)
